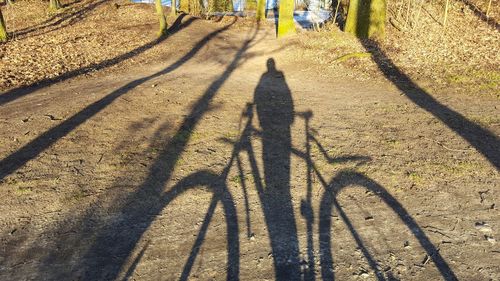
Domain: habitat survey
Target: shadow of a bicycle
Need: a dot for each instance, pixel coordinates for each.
(342, 180)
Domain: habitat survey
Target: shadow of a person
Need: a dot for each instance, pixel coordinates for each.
(275, 112)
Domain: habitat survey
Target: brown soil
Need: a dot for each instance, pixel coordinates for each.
(193, 158)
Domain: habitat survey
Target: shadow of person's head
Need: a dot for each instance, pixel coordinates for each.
(271, 65)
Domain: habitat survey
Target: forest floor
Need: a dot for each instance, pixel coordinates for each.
(220, 152)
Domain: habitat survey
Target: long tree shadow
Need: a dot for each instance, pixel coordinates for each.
(29, 151)
(112, 244)
(486, 142)
(16, 93)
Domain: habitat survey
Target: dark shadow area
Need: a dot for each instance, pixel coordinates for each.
(16, 93)
(339, 18)
(274, 107)
(274, 12)
(136, 261)
(29, 151)
(481, 15)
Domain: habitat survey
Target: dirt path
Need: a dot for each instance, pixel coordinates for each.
(198, 167)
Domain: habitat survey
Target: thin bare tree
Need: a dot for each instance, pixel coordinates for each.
(161, 18)
(3, 28)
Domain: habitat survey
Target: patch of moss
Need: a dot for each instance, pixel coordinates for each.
(484, 80)
(23, 190)
(415, 177)
(75, 196)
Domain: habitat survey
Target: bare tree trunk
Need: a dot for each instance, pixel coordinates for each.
(336, 12)
(261, 10)
(173, 8)
(54, 5)
(286, 25)
(366, 18)
(488, 10)
(162, 18)
(446, 13)
(3, 29)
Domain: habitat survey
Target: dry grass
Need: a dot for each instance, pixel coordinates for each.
(45, 45)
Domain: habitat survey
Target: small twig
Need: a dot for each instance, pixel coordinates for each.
(337, 10)
(78, 171)
(488, 10)
(394, 23)
(446, 13)
(100, 159)
(417, 18)
(52, 117)
(408, 14)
